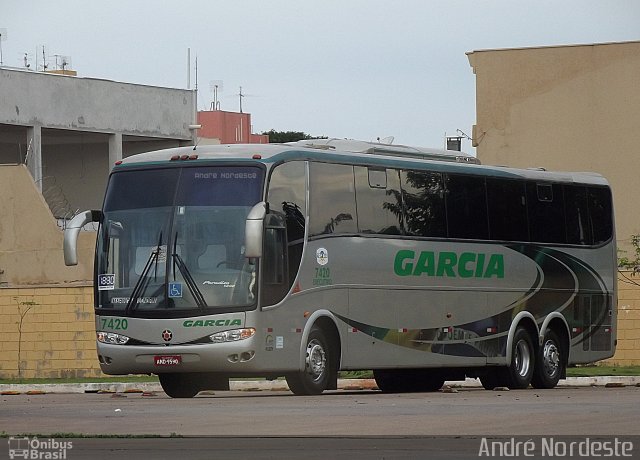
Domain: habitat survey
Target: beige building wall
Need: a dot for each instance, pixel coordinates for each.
(46, 309)
(571, 108)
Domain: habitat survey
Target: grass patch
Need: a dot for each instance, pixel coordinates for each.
(4, 434)
(601, 371)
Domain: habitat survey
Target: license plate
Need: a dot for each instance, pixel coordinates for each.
(172, 360)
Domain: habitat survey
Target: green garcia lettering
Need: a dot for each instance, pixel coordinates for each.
(212, 322)
(451, 264)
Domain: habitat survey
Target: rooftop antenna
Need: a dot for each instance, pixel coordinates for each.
(241, 96)
(196, 87)
(215, 86)
(26, 61)
(188, 68)
(3, 37)
(45, 66)
(62, 62)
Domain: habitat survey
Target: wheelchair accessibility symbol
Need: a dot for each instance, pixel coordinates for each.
(175, 290)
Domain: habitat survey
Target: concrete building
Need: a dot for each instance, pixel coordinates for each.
(68, 131)
(564, 108)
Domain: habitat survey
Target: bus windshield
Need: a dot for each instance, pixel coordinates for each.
(171, 241)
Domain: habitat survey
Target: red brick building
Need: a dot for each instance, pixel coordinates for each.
(229, 127)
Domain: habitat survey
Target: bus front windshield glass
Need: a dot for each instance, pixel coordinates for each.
(171, 242)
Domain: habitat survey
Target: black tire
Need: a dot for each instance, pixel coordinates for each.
(180, 385)
(495, 377)
(550, 363)
(319, 366)
(408, 380)
(520, 370)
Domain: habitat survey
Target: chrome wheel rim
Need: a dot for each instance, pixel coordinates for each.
(551, 358)
(522, 358)
(316, 361)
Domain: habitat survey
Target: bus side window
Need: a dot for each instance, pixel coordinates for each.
(423, 202)
(507, 210)
(577, 214)
(600, 214)
(332, 206)
(466, 207)
(545, 206)
(379, 201)
(287, 199)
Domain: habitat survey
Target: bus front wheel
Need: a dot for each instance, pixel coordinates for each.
(179, 385)
(318, 365)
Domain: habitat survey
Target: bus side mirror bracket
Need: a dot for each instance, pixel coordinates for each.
(71, 232)
(254, 230)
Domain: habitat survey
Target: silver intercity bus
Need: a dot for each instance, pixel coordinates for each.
(301, 260)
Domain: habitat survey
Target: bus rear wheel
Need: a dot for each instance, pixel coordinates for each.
(318, 366)
(179, 385)
(550, 363)
(408, 380)
(520, 370)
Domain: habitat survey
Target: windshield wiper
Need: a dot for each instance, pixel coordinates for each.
(143, 281)
(191, 284)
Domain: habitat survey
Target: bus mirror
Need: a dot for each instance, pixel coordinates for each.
(71, 234)
(254, 229)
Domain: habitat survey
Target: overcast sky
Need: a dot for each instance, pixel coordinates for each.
(358, 69)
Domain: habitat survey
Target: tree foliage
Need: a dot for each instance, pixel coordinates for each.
(280, 137)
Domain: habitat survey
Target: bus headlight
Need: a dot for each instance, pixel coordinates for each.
(233, 335)
(112, 338)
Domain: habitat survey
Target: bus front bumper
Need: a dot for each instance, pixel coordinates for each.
(232, 358)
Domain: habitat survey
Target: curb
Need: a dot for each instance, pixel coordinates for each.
(277, 385)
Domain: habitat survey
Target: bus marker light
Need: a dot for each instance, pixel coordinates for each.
(296, 330)
(184, 157)
(577, 330)
(403, 329)
(269, 329)
(118, 163)
(307, 314)
(193, 157)
(175, 157)
(492, 329)
(257, 156)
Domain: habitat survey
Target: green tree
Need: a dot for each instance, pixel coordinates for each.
(280, 137)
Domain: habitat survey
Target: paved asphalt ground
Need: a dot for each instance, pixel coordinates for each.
(262, 420)
(278, 385)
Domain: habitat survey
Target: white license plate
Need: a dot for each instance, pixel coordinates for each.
(172, 360)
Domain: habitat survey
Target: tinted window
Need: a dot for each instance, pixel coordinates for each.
(576, 212)
(507, 210)
(287, 197)
(141, 189)
(332, 204)
(423, 199)
(545, 206)
(466, 207)
(379, 201)
(600, 213)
